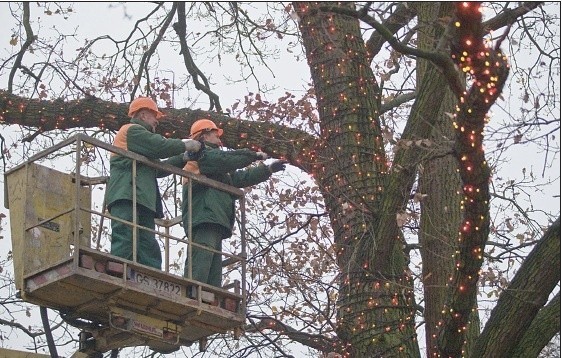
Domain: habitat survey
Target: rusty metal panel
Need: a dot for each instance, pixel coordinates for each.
(15, 197)
(42, 203)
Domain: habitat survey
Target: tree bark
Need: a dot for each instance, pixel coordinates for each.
(541, 331)
(376, 315)
(521, 301)
(278, 141)
(439, 183)
(489, 70)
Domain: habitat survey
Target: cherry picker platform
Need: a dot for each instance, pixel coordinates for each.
(61, 262)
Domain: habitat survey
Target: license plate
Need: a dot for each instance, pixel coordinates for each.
(157, 284)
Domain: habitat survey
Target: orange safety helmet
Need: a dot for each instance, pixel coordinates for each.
(144, 102)
(201, 125)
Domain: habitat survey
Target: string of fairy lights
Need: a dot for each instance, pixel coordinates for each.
(340, 127)
(488, 69)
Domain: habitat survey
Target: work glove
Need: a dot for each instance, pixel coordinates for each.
(277, 166)
(192, 145)
(261, 155)
(189, 156)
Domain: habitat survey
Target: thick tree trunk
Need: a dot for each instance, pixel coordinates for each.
(521, 301)
(489, 70)
(438, 179)
(541, 331)
(376, 316)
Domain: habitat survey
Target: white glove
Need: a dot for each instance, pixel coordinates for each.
(261, 155)
(192, 145)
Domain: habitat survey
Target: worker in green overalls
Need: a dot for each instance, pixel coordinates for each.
(213, 209)
(139, 136)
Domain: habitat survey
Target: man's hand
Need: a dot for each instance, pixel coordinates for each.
(277, 166)
(192, 145)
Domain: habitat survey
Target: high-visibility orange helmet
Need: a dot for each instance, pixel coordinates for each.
(201, 125)
(144, 102)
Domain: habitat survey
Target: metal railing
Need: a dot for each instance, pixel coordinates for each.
(80, 140)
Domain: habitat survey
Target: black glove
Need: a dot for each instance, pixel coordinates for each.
(277, 166)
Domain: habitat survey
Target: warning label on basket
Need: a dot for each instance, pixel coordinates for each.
(146, 328)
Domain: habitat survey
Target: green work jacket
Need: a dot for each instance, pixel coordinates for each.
(214, 206)
(139, 139)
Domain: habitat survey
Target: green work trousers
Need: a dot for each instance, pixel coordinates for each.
(207, 265)
(148, 250)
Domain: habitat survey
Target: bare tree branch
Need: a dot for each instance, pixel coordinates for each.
(22, 328)
(397, 20)
(30, 37)
(143, 67)
(319, 342)
(180, 28)
(509, 16)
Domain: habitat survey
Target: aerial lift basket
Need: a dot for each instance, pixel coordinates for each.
(42, 203)
(56, 266)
